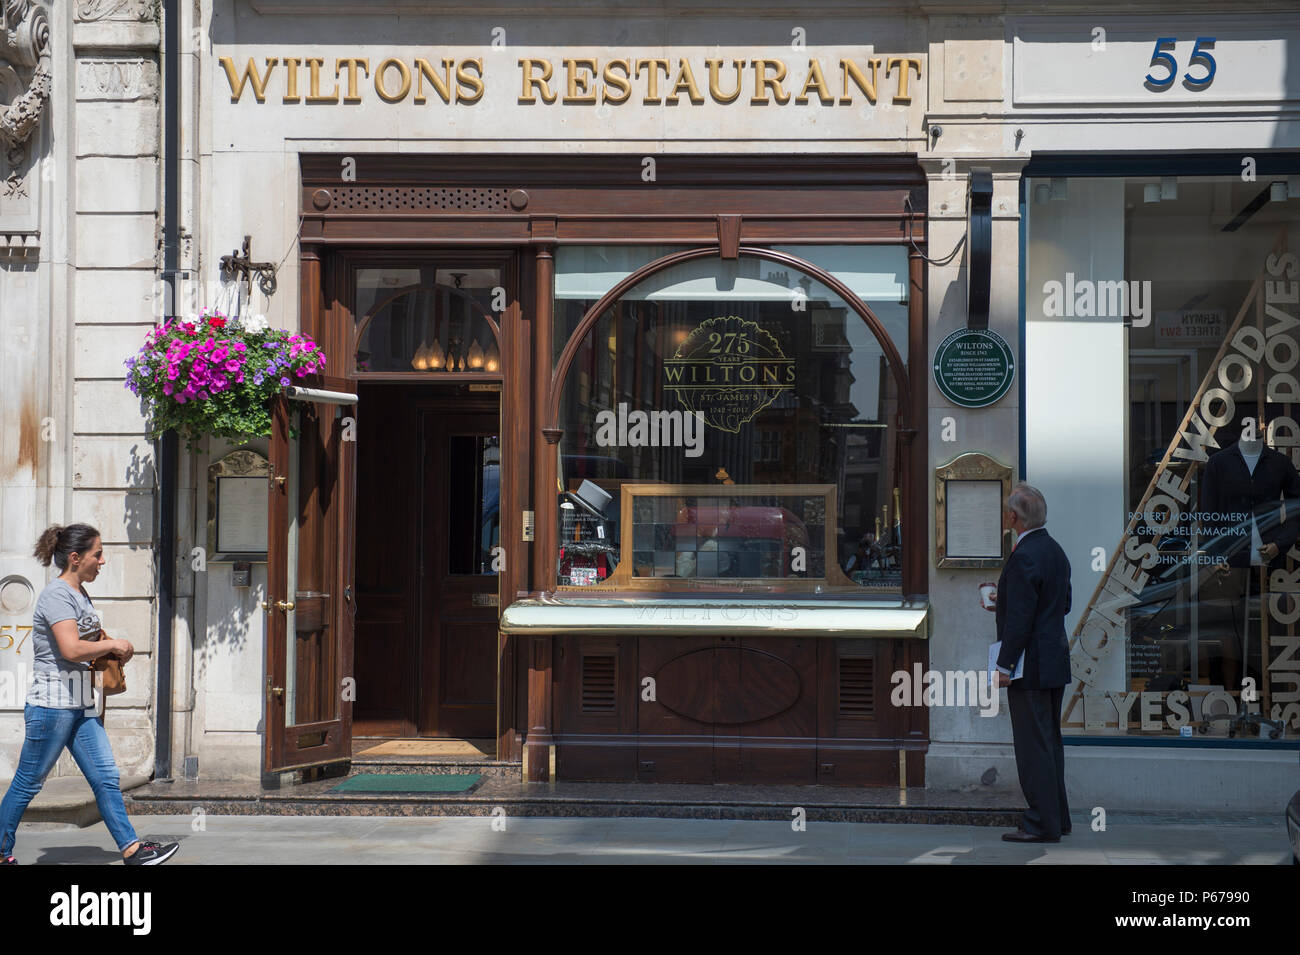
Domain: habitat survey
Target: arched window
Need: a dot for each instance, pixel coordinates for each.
(423, 319)
(731, 425)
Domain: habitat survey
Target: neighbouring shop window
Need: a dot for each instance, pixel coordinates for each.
(1162, 404)
(426, 319)
(730, 425)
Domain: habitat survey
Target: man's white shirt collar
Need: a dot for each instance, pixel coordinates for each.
(1028, 532)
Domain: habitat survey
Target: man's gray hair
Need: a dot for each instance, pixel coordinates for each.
(1028, 502)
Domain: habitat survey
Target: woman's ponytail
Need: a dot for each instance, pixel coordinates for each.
(57, 543)
(47, 544)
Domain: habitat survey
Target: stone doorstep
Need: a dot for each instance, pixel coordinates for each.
(69, 799)
(450, 765)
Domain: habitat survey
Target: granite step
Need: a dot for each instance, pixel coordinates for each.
(441, 765)
(653, 800)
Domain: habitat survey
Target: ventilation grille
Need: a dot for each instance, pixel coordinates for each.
(857, 686)
(417, 199)
(598, 684)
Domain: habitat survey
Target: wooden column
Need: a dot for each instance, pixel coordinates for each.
(309, 306)
(539, 742)
(516, 497)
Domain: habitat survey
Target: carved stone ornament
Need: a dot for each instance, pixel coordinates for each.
(24, 74)
(91, 10)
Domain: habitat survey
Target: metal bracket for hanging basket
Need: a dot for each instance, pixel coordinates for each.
(238, 263)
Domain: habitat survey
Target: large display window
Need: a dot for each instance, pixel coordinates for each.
(731, 425)
(1168, 457)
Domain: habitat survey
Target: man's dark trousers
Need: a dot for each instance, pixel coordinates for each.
(1040, 758)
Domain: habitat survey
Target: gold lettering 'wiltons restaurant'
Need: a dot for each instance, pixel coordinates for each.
(679, 365)
(587, 80)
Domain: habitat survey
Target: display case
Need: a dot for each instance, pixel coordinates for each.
(725, 538)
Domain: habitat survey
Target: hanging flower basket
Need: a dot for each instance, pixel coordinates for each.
(214, 375)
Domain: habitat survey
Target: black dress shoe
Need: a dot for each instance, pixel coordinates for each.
(1021, 836)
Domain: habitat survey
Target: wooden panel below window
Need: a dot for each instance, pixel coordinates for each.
(797, 710)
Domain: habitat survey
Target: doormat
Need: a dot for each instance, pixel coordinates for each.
(409, 783)
(432, 747)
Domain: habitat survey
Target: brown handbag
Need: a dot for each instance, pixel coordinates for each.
(113, 675)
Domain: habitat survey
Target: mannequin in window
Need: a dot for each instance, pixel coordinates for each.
(1251, 479)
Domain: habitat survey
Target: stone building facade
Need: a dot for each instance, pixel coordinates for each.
(996, 87)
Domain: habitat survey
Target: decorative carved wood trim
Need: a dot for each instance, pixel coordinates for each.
(729, 236)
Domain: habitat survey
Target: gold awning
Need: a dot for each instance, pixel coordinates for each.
(654, 616)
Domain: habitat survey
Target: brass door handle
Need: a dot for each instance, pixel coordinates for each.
(277, 691)
(285, 605)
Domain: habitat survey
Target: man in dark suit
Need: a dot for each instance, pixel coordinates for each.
(1033, 597)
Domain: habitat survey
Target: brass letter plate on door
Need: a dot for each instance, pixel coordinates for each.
(485, 600)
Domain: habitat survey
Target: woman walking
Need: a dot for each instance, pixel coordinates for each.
(60, 708)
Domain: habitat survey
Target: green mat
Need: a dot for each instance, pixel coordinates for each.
(408, 783)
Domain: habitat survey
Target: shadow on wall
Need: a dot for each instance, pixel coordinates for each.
(231, 614)
(139, 518)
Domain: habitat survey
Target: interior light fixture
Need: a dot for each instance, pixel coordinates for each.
(1060, 188)
(1168, 187)
(1042, 192)
(1277, 191)
(1151, 192)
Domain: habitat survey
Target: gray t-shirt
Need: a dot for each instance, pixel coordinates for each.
(56, 682)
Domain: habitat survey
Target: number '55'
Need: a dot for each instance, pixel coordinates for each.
(1161, 58)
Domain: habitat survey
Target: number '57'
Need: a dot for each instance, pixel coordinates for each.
(1162, 58)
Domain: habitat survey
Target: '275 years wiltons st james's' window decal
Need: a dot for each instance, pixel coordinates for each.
(728, 369)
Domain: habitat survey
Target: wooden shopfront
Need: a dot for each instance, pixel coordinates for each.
(625, 472)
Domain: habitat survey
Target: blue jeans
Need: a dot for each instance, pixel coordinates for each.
(48, 731)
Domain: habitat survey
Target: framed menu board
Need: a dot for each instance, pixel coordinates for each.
(970, 492)
(237, 489)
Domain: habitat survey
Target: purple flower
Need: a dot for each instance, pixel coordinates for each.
(257, 379)
(284, 382)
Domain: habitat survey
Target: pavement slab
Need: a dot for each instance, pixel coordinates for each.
(399, 840)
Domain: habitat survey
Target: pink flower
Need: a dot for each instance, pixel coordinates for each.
(232, 366)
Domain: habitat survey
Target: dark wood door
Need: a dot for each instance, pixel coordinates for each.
(310, 599)
(460, 556)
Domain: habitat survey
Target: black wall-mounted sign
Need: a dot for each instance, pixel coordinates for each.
(979, 231)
